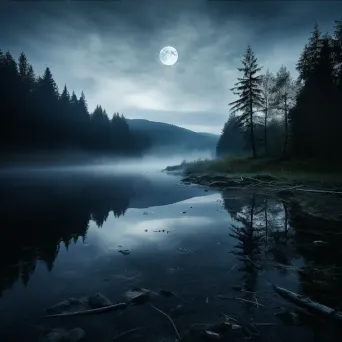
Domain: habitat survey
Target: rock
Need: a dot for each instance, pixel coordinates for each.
(166, 293)
(61, 335)
(138, 295)
(56, 335)
(98, 300)
(212, 335)
(75, 335)
(320, 242)
(201, 332)
(94, 301)
(124, 251)
(68, 305)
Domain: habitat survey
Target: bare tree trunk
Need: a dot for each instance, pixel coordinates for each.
(265, 130)
(286, 128)
(252, 128)
(286, 218)
(266, 222)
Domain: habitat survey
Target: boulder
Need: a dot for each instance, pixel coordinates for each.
(61, 335)
(98, 300)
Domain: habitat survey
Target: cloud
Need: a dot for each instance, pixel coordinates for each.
(110, 50)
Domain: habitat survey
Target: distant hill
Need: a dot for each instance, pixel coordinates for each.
(178, 139)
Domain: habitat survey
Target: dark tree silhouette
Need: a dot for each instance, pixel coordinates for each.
(311, 106)
(35, 117)
(231, 141)
(250, 96)
(316, 116)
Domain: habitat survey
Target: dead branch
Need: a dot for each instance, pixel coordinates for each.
(308, 303)
(321, 191)
(104, 309)
(127, 332)
(249, 301)
(169, 318)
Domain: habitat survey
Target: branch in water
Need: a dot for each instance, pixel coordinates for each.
(108, 308)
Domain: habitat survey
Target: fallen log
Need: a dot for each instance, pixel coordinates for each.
(330, 192)
(308, 303)
(108, 308)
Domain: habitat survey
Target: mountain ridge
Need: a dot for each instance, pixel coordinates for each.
(163, 135)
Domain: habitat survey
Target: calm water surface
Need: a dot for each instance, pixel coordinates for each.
(61, 233)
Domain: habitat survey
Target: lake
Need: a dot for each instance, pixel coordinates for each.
(217, 252)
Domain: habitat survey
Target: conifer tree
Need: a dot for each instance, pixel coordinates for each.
(310, 54)
(250, 95)
(337, 46)
(231, 141)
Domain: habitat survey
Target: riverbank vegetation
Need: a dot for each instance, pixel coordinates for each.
(291, 169)
(282, 125)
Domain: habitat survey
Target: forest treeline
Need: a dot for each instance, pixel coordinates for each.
(278, 115)
(35, 116)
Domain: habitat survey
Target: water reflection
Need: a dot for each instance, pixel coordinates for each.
(197, 246)
(44, 211)
(275, 234)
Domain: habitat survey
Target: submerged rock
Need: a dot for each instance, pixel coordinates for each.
(98, 300)
(124, 251)
(138, 295)
(223, 331)
(56, 335)
(69, 305)
(61, 335)
(75, 335)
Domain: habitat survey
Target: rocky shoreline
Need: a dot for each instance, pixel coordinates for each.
(224, 181)
(313, 199)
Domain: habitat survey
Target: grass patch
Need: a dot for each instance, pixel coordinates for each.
(293, 169)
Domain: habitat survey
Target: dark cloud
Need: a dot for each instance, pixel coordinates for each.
(110, 49)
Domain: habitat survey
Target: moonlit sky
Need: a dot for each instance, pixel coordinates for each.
(110, 49)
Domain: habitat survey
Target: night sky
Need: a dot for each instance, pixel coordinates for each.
(110, 49)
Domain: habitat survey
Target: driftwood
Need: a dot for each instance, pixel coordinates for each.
(308, 303)
(128, 332)
(169, 318)
(321, 191)
(108, 308)
(274, 185)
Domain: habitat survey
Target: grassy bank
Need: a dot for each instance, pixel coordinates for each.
(274, 168)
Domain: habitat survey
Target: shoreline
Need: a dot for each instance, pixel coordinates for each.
(317, 200)
(265, 182)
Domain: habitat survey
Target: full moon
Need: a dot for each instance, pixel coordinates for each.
(168, 55)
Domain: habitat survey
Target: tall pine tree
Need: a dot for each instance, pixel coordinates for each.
(250, 95)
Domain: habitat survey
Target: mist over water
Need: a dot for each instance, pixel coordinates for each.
(105, 165)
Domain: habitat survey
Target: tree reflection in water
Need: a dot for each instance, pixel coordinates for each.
(274, 233)
(38, 217)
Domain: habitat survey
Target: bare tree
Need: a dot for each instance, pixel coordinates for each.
(284, 92)
(267, 84)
